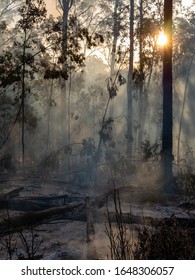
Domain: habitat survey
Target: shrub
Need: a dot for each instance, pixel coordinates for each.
(168, 241)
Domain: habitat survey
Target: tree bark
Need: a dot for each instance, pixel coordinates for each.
(141, 83)
(65, 5)
(113, 52)
(35, 218)
(23, 95)
(167, 141)
(129, 85)
(182, 111)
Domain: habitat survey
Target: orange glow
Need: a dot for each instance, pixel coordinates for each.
(162, 39)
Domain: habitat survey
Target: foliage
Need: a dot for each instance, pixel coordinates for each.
(168, 241)
(76, 35)
(185, 182)
(121, 80)
(83, 72)
(88, 147)
(106, 133)
(119, 164)
(19, 62)
(152, 24)
(112, 90)
(7, 112)
(184, 27)
(50, 162)
(12, 58)
(150, 151)
(7, 163)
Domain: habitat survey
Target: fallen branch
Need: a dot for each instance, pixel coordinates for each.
(35, 218)
(13, 193)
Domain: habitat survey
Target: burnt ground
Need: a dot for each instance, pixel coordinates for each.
(66, 221)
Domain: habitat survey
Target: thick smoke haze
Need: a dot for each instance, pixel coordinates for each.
(82, 157)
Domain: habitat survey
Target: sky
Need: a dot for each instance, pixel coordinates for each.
(51, 6)
(187, 2)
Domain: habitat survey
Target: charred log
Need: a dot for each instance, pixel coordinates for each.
(35, 218)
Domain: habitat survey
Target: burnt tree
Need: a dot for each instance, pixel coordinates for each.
(167, 137)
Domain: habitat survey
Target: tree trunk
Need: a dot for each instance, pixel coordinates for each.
(66, 5)
(129, 85)
(183, 107)
(23, 93)
(36, 218)
(167, 140)
(141, 83)
(113, 53)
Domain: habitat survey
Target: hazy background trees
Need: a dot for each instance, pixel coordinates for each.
(81, 89)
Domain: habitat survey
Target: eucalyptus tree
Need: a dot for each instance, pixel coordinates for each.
(141, 71)
(18, 65)
(115, 35)
(65, 122)
(148, 24)
(183, 58)
(129, 84)
(167, 131)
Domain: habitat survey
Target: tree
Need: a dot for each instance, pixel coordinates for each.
(129, 84)
(20, 62)
(141, 73)
(184, 53)
(65, 6)
(114, 48)
(167, 134)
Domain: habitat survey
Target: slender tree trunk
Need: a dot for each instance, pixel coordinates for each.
(66, 5)
(115, 34)
(49, 118)
(129, 85)
(141, 84)
(113, 53)
(23, 95)
(167, 137)
(69, 119)
(182, 112)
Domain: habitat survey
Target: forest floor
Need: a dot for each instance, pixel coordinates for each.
(60, 224)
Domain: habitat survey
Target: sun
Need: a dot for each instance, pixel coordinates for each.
(162, 39)
(187, 3)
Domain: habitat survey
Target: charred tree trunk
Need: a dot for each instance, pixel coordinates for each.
(23, 221)
(23, 92)
(167, 140)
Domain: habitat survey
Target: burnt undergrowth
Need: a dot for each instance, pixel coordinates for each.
(165, 240)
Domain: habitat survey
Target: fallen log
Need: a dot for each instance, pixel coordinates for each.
(39, 203)
(151, 221)
(22, 205)
(13, 193)
(11, 224)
